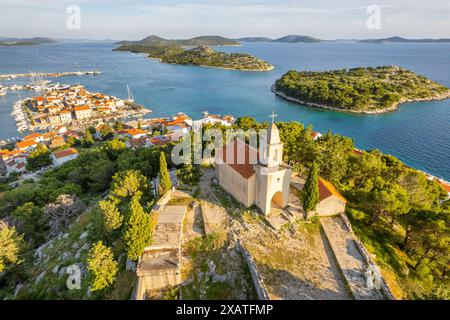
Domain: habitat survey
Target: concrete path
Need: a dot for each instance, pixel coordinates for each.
(349, 258)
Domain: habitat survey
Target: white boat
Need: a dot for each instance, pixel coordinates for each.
(2, 92)
(130, 95)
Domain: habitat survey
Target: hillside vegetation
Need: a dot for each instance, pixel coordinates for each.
(193, 42)
(363, 90)
(201, 56)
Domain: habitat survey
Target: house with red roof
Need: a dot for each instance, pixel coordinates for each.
(26, 145)
(446, 186)
(133, 133)
(331, 202)
(62, 156)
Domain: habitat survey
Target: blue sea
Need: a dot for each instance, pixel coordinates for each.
(418, 133)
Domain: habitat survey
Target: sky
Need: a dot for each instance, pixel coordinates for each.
(325, 19)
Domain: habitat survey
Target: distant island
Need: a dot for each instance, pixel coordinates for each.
(254, 39)
(404, 40)
(10, 42)
(200, 56)
(287, 39)
(360, 90)
(309, 39)
(193, 42)
(297, 38)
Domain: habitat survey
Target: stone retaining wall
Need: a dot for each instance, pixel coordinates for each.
(367, 257)
(261, 290)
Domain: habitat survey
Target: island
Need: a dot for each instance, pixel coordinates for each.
(397, 39)
(153, 40)
(361, 90)
(11, 42)
(201, 56)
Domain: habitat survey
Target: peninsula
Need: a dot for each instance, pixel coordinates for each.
(200, 56)
(360, 90)
(10, 42)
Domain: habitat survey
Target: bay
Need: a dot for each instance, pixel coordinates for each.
(418, 133)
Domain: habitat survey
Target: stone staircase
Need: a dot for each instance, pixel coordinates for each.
(349, 258)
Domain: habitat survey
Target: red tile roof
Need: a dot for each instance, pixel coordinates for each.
(25, 144)
(32, 136)
(445, 186)
(65, 153)
(326, 190)
(242, 152)
(82, 108)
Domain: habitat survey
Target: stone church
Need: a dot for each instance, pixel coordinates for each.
(258, 178)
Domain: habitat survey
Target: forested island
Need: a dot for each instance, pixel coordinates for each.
(200, 56)
(361, 90)
(193, 42)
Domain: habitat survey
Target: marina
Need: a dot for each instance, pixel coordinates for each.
(48, 74)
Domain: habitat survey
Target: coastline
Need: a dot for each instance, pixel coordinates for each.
(392, 108)
(205, 66)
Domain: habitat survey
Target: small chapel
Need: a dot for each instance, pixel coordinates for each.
(259, 177)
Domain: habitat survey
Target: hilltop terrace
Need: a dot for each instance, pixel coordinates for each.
(73, 107)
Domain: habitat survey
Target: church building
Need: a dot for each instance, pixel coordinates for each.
(258, 178)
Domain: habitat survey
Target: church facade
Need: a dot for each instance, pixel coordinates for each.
(255, 177)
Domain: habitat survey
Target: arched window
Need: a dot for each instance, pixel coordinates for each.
(275, 155)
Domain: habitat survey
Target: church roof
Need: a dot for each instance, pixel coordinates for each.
(240, 164)
(273, 135)
(326, 190)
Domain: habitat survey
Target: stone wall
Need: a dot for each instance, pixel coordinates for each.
(261, 290)
(367, 257)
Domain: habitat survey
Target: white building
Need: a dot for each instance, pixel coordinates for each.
(262, 180)
(62, 156)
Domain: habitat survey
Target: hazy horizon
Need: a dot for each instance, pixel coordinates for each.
(181, 19)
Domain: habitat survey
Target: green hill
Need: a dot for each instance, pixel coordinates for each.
(200, 56)
(193, 42)
(297, 38)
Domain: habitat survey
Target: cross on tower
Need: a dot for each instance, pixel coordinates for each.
(273, 115)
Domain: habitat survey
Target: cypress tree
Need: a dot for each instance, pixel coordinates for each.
(164, 178)
(311, 190)
(138, 231)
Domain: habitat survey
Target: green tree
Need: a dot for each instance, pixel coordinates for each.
(11, 244)
(106, 132)
(38, 158)
(28, 216)
(385, 199)
(127, 183)
(88, 140)
(311, 190)
(164, 178)
(113, 148)
(111, 216)
(189, 174)
(138, 230)
(101, 266)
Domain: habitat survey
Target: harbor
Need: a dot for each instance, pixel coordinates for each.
(48, 74)
(72, 106)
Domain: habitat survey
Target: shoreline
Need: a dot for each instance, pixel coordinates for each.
(214, 67)
(392, 108)
(272, 67)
